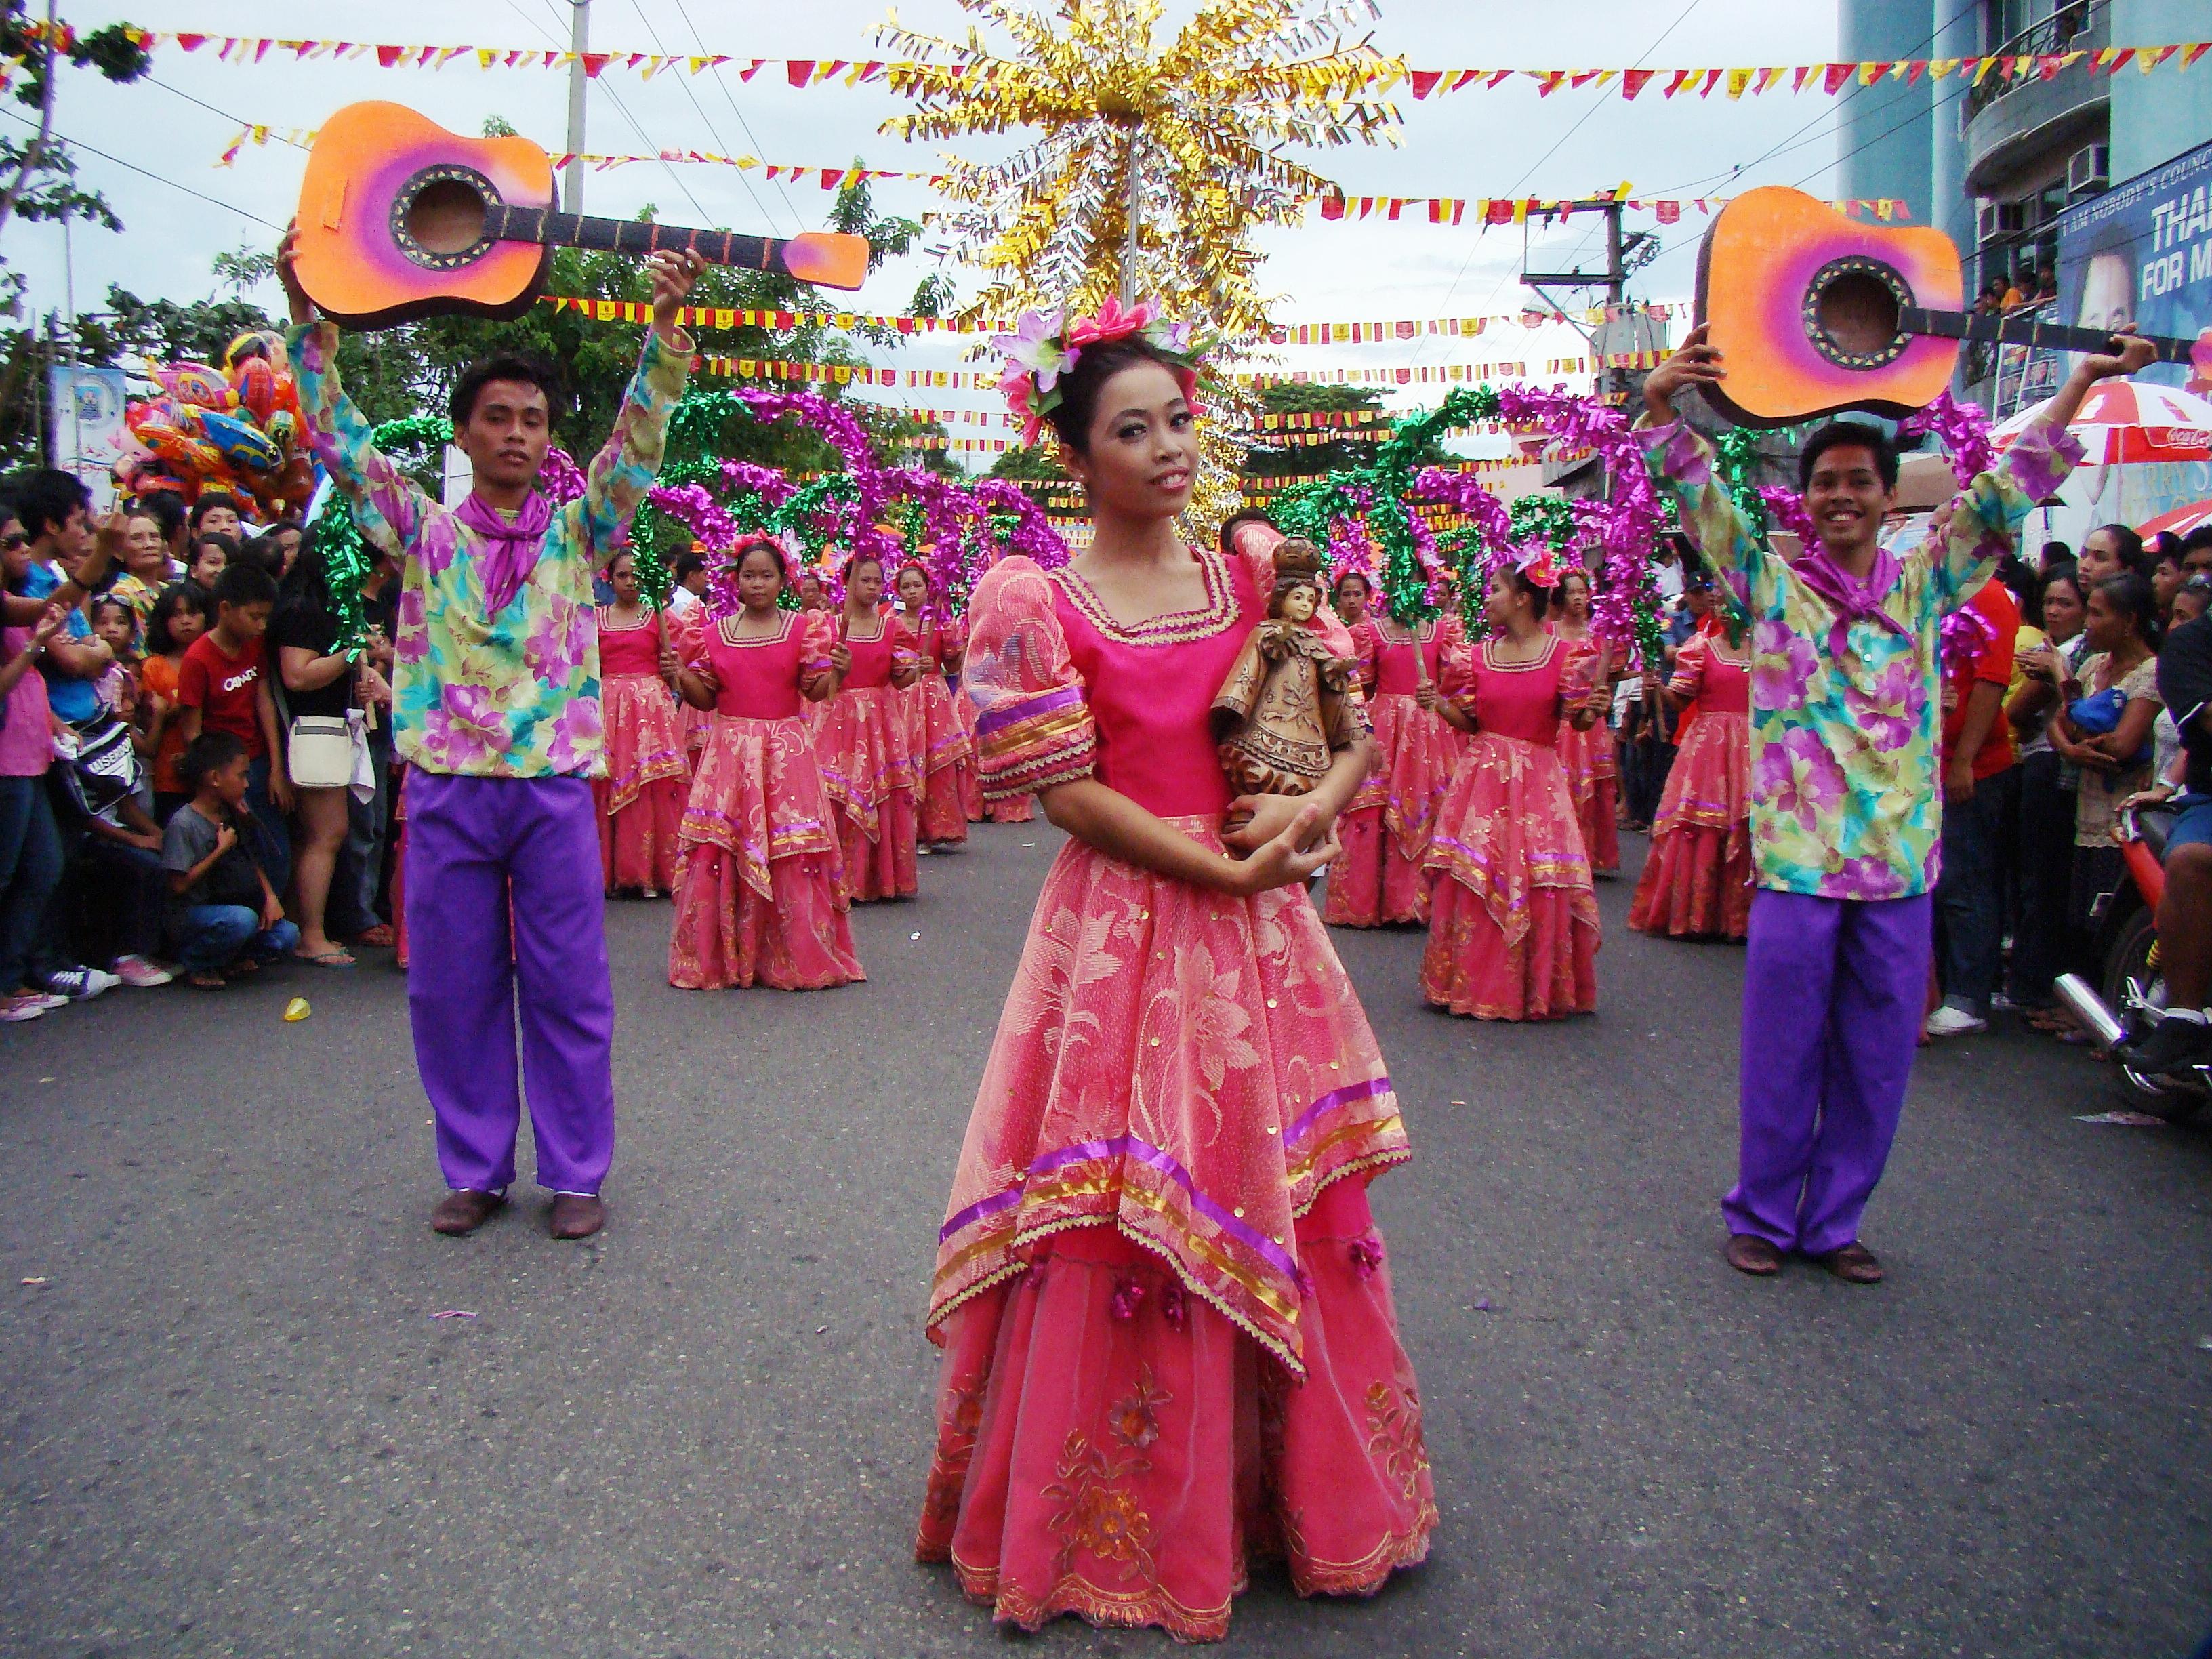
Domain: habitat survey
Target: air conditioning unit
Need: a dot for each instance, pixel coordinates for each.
(2089, 170)
(1994, 220)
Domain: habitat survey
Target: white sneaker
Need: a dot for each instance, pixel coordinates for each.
(1948, 1021)
(81, 984)
(17, 1009)
(141, 973)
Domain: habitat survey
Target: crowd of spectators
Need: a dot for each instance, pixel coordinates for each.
(159, 670)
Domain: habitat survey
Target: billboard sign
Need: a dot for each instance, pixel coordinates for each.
(2142, 252)
(86, 408)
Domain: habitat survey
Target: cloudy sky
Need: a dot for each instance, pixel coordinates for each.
(1502, 142)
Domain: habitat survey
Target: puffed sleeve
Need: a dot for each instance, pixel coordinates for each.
(1689, 677)
(818, 637)
(1033, 727)
(687, 633)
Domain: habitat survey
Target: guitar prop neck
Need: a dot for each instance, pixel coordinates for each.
(722, 247)
(2011, 329)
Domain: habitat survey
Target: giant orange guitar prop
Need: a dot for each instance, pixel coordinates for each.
(400, 219)
(1815, 313)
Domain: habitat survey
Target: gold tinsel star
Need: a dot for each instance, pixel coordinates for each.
(1191, 132)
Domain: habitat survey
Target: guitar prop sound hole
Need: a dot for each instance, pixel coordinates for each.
(1852, 308)
(438, 220)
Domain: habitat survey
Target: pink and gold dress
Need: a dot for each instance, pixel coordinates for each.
(946, 756)
(866, 743)
(1170, 1349)
(1513, 926)
(1380, 878)
(1594, 780)
(760, 896)
(1697, 882)
(640, 798)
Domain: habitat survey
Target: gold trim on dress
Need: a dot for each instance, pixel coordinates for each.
(1170, 627)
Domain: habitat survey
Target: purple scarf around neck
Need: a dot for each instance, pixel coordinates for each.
(1852, 600)
(512, 549)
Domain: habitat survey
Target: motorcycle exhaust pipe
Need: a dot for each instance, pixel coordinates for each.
(2089, 1008)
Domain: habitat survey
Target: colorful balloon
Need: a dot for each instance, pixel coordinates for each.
(255, 382)
(194, 383)
(243, 445)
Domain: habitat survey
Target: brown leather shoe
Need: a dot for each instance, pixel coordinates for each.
(577, 1215)
(461, 1212)
(1747, 1252)
(1854, 1264)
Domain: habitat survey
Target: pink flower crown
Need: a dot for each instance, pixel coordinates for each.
(1535, 561)
(1046, 345)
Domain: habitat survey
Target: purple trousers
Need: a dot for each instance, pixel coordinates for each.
(503, 895)
(1835, 994)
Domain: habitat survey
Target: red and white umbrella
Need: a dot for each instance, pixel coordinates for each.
(2124, 422)
(2178, 519)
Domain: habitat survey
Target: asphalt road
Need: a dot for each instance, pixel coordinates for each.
(230, 1422)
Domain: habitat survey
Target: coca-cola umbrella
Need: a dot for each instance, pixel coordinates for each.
(2180, 520)
(2123, 422)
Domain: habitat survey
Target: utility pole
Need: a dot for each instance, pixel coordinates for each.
(1613, 279)
(579, 40)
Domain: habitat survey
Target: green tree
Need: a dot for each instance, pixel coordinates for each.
(1289, 462)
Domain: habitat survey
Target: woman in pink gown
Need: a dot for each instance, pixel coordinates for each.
(945, 757)
(1170, 1346)
(640, 798)
(760, 896)
(1513, 927)
(1697, 882)
(1593, 776)
(1382, 878)
(866, 741)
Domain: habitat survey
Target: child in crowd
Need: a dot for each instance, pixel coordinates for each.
(116, 623)
(211, 556)
(221, 687)
(224, 915)
(179, 617)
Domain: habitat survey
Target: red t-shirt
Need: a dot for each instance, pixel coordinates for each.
(222, 687)
(1992, 666)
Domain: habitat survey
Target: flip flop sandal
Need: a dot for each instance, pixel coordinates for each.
(327, 959)
(206, 979)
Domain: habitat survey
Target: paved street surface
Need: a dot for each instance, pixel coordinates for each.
(230, 1423)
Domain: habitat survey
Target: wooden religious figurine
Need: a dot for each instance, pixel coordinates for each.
(1285, 707)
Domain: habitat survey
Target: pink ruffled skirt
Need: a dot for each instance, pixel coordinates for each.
(1593, 780)
(1170, 1350)
(945, 746)
(640, 798)
(1696, 883)
(866, 744)
(760, 893)
(1380, 878)
(1513, 922)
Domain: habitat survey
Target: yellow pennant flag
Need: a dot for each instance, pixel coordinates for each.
(1738, 80)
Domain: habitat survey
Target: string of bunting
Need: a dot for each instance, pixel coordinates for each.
(960, 379)
(1340, 79)
(1315, 333)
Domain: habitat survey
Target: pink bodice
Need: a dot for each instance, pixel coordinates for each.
(1520, 700)
(871, 658)
(1151, 688)
(1396, 673)
(758, 679)
(1721, 686)
(635, 649)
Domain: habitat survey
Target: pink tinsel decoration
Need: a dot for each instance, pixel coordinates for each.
(559, 476)
(1962, 430)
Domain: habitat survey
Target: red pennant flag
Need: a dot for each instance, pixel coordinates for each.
(1915, 70)
(2048, 65)
(798, 72)
(1835, 75)
(1425, 82)
(1332, 207)
(1668, 212)
(594, 62)
(2190, 54)
(1797, 76)
(388, 56)
(1634, 81)
(1498, 211)
(1712, 79)
(192, 42)
(1682, 78)
(1496, 77)
(1547, 81)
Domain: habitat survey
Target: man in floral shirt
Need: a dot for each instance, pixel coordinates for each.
(496, 712)
(1846, 818)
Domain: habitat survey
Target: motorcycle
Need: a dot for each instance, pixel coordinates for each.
(2132, 998)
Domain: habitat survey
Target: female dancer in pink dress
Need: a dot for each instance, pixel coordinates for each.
(1593, 774)
(1697, 882)
(1513, 927)
(760, 898)
(945, 760)
(1382, 878)
(640, 799)
(1350, 595)
(866, 741)
(1169, 1345)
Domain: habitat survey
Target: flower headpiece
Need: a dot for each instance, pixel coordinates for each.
(1534, 561)
(1046, 345)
